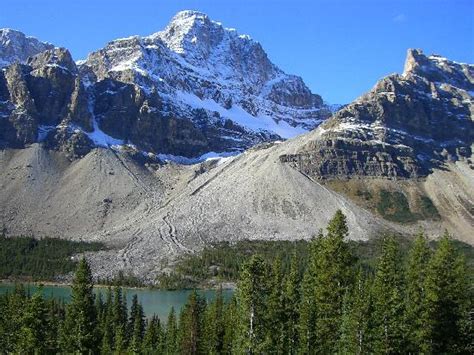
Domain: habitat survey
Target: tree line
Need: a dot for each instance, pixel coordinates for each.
(421, 303)
(39, 259)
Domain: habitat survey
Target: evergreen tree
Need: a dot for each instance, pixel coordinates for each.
(11, 317)
(388, 300)
(333, 274)
(106, 344)
(153, 338)
(120, 340)
(231, 319)
(191, 340)
(99, 311)
(119, 320)
(418, 259)
(106, 324)
(291, 301)
(307, 309)
(136, 325)
(34, 331)
(214, 325)
(79, 332)
(171, 334)
(99, 306)
(355, 323)
(252, 300)
(276, 316)
(447, 323)
(55, 316)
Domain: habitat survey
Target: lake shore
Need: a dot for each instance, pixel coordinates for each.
(224, 285)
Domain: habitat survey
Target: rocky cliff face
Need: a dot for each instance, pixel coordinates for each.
(44, 99)
(192, 88)
(403, 128)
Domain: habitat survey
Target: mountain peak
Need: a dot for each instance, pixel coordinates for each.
(9, 33)
(15, 46)
(439, 69)
(189, 30)
(188, 19)
(225, 86)
(56, 57)
(405, 127)
(189, 14)
(414, 60)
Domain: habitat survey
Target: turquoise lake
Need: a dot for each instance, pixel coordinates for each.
(157, 302)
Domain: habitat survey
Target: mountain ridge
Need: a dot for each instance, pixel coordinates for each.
(405, 126)
(193, 88)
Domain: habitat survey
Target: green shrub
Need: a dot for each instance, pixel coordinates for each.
(394, 206)
(428, 210)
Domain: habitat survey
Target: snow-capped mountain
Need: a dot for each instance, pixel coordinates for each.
(404, 127)
(212, 76)
(16, 47)
(193, 88)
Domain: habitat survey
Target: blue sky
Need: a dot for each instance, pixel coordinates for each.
(340, 48)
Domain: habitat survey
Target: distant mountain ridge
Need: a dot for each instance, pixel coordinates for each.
(193, 88)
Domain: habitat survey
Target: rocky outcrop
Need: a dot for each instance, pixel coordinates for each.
(438, 69)
(43, 96)
(403, 128)
(51, 82)
(75, 144)
(78, 110)
(21, 114)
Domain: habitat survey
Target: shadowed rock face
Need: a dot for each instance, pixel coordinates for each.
(43, 97)
(403, 128)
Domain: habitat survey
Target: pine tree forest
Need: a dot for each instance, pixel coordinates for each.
(418, 304)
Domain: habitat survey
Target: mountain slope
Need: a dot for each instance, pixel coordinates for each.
(154, 213)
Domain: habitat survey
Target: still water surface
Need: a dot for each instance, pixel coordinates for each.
(157, 302)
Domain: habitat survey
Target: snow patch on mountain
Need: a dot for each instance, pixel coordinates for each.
(102, 139)
(238, 115)
(221, 157)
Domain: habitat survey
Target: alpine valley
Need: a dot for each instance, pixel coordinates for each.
(161, 145)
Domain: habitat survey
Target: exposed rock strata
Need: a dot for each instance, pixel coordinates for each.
(405, 127)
